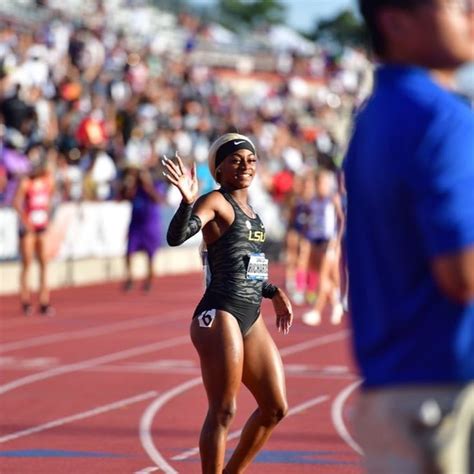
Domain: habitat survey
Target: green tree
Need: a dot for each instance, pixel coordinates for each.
(253, 12)
(345, 28)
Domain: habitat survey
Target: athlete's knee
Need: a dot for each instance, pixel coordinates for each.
(275, 413)
(223, 414)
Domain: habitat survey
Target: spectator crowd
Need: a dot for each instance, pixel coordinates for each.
(98, 101)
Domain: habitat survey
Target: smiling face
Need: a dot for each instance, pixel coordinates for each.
(238, 169)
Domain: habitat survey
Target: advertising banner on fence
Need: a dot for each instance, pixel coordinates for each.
(77, 230)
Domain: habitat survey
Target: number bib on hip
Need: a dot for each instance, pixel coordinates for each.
(39, 217)
(258, 267)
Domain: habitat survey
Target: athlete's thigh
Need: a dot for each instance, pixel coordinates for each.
(291, 241)
(27, 247)
(327, 262)
(317, 256)
(220, 350)
(263, 372)
(41, 247)
(304, 252)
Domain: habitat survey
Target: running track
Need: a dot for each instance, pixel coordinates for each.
(111, 384)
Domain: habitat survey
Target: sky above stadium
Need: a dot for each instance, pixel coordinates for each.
(302, 14)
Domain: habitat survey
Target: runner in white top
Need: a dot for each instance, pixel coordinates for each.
(325, 225)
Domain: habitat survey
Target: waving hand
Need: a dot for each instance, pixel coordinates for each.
(185, 180)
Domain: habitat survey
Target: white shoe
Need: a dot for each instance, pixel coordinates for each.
(298, 298)
(311, 318)
(337, 313)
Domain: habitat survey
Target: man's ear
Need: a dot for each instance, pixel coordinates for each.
(395, 25)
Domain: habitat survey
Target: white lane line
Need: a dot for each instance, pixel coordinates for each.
(90, 332)
(319, 341)
(235, 434)
(87, 364)
(79, 416)
(337, 416)
(152, 410)
(147, 470)
(147, 420)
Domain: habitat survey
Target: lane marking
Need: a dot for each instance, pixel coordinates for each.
(79, 416)
(337, 416)
(87, 364)
(147, 417)
(319, 341)
(90, 332)
(147, 470)
(147, 420)
(235, 434)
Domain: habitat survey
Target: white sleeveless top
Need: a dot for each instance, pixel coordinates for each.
(322, 219)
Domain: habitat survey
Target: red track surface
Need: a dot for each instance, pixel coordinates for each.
(111, 384)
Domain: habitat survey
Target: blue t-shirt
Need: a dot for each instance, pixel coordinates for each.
(409, 175)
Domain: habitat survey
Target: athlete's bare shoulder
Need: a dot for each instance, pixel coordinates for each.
(214, 205)
(214, 200)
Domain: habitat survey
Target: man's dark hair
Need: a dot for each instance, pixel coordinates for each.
(369, 10)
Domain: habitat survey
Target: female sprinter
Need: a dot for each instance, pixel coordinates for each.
(33, 201)
(227, 329)
(298, 247)
(324, 231)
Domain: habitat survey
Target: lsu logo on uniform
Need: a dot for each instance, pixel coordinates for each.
(256, 235)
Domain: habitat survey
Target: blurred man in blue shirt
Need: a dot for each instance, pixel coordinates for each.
(409, 174)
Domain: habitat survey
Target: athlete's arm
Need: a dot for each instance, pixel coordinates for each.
(269, 290)
(454, 274)
(183, 225)
(340, 216)
(189, 220)
(283, 311)
(52, 190)
(18, 202)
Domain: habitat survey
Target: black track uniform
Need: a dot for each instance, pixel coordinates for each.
(238, 269)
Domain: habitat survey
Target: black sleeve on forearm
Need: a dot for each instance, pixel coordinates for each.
(183, 225)
(268, 290)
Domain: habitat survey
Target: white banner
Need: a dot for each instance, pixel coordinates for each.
(8, 234)
(82, 230)
(90, 229)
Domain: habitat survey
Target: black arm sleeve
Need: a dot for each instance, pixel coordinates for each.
(268, 290)
(183, 225)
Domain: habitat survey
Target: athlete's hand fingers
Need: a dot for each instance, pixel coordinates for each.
(180, 163)
(171, 165)
(287, 321)
(170, 178)
(172, 169)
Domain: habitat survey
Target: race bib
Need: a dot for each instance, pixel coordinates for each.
(39, 217)
(258, 267)
(206, 318)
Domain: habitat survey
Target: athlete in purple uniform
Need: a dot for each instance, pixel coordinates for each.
(144, 233)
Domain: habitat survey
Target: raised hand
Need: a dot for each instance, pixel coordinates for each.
(185, 180)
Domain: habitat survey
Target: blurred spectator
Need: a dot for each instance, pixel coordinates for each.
(33, 201)
(409, 175)
(144, 233)
(114, 84)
